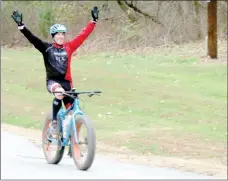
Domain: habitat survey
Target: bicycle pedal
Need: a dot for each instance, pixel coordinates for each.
(69, 153)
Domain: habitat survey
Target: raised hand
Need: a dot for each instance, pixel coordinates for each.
(95, 13)
(17, 17)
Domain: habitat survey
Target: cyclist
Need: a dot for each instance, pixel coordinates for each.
(57, 59)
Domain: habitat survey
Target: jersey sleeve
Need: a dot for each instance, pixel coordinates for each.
(38, 44)
(81, 37)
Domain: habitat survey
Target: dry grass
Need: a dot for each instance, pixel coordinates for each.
(114, 31)
(186, 132)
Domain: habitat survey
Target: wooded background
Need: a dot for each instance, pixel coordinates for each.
(122, 24)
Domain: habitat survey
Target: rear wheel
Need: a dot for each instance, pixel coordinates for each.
(83, 157)
(53, 152)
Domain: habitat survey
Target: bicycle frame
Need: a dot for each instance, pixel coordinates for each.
(61, 114)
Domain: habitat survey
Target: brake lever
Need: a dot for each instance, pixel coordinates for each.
(92, 94)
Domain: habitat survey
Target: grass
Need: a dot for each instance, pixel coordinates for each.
(154, 104)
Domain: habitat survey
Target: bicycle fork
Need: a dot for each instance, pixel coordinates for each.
(76, 141)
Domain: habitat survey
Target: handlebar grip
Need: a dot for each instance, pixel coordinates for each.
(97, 92)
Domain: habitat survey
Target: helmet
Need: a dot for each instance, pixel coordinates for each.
(57, 28)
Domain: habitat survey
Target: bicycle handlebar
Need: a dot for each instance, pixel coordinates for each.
(74, 94)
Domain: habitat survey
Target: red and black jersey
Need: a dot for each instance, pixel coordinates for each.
(57, 59)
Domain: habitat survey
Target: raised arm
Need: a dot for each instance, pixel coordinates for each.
(78, 40)
(81, 37)
(39, 44)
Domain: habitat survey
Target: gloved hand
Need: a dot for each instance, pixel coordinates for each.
(17, 17)
(95, 13)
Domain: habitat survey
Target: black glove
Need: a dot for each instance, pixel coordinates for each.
(17, 17)
(95, 13)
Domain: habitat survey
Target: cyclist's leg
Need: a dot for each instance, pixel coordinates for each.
(57, 101)
(68, 101)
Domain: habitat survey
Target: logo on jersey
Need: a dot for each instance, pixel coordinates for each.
(61, 57)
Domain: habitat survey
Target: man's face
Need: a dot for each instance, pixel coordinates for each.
(59, 38)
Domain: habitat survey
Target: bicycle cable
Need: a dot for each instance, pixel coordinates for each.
(81, 100)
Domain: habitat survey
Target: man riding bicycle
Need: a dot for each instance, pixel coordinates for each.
(57, 59)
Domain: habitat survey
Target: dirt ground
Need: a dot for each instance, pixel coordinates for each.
(206, 167)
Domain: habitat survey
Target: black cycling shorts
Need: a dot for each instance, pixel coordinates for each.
(66, 85)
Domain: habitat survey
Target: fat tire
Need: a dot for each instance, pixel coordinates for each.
(91, 138)
(60, 151)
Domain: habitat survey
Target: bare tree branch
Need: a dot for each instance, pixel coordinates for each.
(132, 2)
(159, 7)
(125, 9)
(143, 13)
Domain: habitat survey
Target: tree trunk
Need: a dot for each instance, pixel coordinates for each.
(197, 19)
(212, 28)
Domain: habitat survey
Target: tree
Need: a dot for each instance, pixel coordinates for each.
(127, 6)
(212, 28)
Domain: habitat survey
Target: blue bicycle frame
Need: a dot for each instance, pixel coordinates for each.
(61, 114)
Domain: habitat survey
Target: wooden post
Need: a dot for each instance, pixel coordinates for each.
(212, 28)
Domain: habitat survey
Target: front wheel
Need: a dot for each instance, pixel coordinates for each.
(53, 152)
(82, 160)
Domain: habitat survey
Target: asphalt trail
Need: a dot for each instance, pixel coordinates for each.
(21, 159)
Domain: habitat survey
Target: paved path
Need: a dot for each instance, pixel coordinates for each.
(21, 159)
